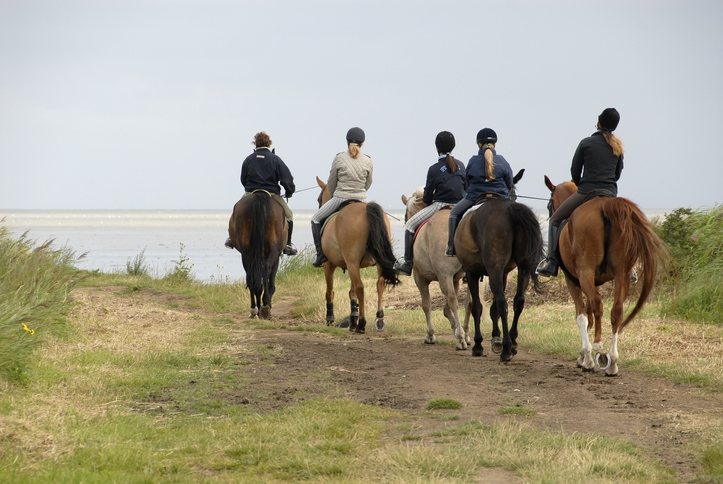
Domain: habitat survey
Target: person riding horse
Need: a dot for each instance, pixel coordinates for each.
(446, 185)
(601, 157)
(263, 170)
(487, 172)
(349, 179)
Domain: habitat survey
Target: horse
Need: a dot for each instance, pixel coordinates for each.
(358, 236)
(497, 237)
(258, 230)
(601, 242)
(430, 264)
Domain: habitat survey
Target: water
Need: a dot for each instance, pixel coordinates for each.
(112, 238)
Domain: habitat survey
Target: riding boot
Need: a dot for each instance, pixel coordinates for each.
(290, 249)
(549, 266)
(316, 233)
(406, 268)
(228, 243)
(451, 228)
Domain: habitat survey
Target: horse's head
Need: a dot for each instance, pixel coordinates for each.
(515, 179)
(324, 195)
(414, 203)
(558, 193)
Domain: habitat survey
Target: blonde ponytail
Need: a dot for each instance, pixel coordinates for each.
(614, 143)
(489, 162)
(354, 150)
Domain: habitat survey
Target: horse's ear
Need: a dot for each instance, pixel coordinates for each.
(404, 199)
(549, 184)
(321, 184)
(518, 177)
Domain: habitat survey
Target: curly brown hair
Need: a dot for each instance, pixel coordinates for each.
(262, 139)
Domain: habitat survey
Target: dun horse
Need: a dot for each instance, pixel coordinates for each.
(601, 242)
(257, 229)
(430, 264)
(496, 238)
(358, 236)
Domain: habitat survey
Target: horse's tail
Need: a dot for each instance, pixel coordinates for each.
(257, 260)
(524, 218)
(641, 244)
(378, 244)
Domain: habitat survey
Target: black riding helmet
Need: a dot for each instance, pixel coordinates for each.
(609, 119)
(444, 142)
(487, 135)
(355, 135)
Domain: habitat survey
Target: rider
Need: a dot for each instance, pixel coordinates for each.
(349, 179)
(263, 170)
(446, 184)
(601, 155)
(487, 172)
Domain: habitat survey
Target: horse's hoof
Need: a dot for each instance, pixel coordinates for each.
(344, 323)
(496, 345)
(380, 324)
(477, 351)
(514, 349)
(505, 358)
(602, 361)
(430, 340)
(360, 331)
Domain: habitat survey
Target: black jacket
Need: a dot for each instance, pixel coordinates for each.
(601, 167)
(443, 185)
(263, 170)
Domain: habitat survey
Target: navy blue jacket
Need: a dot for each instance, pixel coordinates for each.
(443, 185)
(601, 167)
(477, 183)
(263, 170)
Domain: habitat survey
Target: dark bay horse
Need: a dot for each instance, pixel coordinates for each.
(358, 236)
(496, 238)
(258, 230)
(601, 242)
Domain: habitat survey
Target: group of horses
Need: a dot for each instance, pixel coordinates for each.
(602, 241)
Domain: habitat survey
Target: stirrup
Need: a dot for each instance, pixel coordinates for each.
(290, 250)
(320, 259)
(405, 268)
(547, 267)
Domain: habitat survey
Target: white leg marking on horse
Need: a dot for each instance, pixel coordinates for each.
(585, 361)
(613, 370)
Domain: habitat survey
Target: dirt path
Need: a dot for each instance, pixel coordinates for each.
(404, 374)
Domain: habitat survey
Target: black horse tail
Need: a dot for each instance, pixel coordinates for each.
(526, 221)
(378, 244)
(259, 212)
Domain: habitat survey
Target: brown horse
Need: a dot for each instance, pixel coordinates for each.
(358, 236)
(496, 238)
(430, 264)
(258, 230)
(601, 242)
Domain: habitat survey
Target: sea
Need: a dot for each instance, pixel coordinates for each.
(109, 240)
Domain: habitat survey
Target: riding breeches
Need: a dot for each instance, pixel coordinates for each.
(461, 207)
(327, 209)
(566, 208)
(287, 211)
(418, 218)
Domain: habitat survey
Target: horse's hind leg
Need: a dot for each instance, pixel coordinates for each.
(379, 322)
(329, 277)
(622, 286)
(585, 360)
(254, 312)
(423, 287)
(473, 282)
(356, 298)
(497, 284)
(523, 280)
(451, 310)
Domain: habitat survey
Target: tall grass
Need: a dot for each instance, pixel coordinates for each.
(34, 285)
(695, 241)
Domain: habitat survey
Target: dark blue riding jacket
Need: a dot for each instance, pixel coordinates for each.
(477, 182)
(444, 186)
(263, 170)
(601, 167)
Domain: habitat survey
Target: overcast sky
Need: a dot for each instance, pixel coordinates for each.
(153, 104)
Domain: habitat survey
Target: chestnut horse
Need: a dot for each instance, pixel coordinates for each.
(430, 264)
(601, 242)
(358, 236)
(258, 230)
(499, 236)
